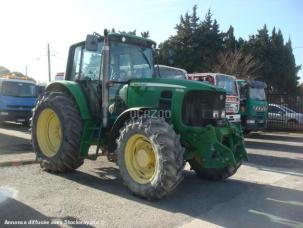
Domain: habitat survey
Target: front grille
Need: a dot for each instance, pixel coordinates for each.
(198, 107)
(231, 108)
(260, 114)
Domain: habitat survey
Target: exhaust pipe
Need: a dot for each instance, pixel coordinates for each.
(105, 77)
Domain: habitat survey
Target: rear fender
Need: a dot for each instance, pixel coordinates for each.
(76, 92)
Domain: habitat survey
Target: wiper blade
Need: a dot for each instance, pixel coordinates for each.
(144, 56)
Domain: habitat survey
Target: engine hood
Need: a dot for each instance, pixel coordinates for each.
(175, 83)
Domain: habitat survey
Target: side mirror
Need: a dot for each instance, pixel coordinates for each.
(91, 43)
(156, 52)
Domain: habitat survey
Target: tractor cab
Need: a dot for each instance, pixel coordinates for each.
(128, 58)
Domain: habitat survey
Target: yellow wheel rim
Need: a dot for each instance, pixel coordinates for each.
(140, 159)
(49, 132)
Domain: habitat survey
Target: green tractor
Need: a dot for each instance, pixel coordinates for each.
(112, 97)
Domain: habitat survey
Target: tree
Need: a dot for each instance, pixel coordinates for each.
(279, 69)
(200, 46)
(134, 33)
(291, 69)
(237, 63)
(230, 42)
(145, 34)
(210, 43)
(196, 43)
(180, 45)
(4, 70)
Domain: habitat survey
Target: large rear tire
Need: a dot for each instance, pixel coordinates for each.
(150, 158)
(212, 174)
(56, 132)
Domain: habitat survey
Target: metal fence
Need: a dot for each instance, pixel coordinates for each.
(285, 112)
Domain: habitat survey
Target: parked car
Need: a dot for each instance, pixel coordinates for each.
(279, 114)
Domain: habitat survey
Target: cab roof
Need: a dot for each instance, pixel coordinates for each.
(132, 38)
(129, 39)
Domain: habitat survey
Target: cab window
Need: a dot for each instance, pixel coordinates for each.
(128, 61)
(86, 64)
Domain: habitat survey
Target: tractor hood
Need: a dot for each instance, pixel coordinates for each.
(175, 83)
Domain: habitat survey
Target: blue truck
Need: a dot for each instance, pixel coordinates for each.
(17, 98)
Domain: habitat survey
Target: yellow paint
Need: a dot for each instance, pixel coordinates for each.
(49, 132)
(140, 159)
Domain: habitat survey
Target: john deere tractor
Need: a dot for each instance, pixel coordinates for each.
(112, 97)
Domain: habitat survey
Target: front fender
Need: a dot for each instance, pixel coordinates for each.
(74, 89)
(122, 118)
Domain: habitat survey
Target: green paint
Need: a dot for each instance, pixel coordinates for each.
(76, 91)
(216, 147)
(252, 109)
(89, 126)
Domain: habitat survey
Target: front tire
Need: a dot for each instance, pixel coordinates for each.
(211, 173)
(56, 133)
(150, 158)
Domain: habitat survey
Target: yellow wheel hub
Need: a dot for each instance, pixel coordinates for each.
(140, 159)
(49, 132)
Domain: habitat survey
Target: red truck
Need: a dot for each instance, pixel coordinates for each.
(227, 82)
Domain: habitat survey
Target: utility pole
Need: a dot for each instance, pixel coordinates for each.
(49, 63)
(26, 70)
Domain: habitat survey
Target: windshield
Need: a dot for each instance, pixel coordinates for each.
(257, 94)
(18, 89)
(228, 83)
(129, 61)
(171, 73)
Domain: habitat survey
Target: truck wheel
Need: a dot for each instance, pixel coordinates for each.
(150, 157)
(210, 173)
(56, 133)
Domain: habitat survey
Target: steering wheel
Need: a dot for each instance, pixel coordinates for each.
(119, 76)
(115, 75)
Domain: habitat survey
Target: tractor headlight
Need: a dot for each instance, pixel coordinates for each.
(215, 114)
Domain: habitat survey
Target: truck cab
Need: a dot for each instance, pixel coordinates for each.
(253, 105)
(227, 82)
(17, 98)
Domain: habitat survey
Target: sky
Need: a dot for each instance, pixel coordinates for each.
(27, 26)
